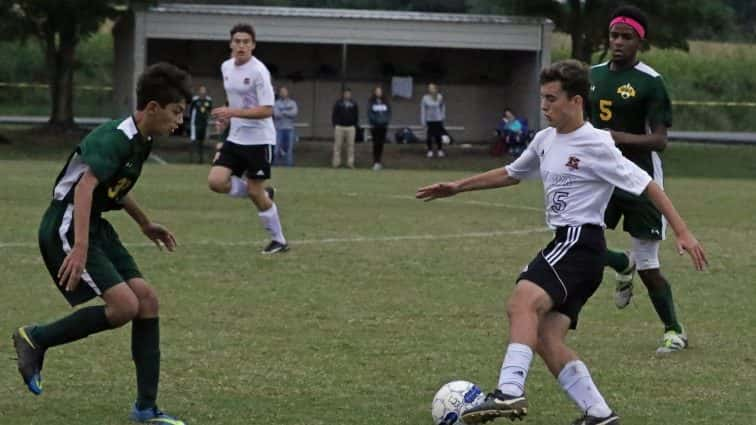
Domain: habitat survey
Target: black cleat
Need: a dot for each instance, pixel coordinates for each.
(271, 191)
(275, 247)
(612, 419)
(497, 405)
(30, 360)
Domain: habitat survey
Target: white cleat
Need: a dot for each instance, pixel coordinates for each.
(624, 291)
(429, 154)
(673, 342)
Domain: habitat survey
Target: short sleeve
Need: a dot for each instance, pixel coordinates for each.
(104, 155)
(264, 90)
(659, 106)
(611, 166)
(526, 164)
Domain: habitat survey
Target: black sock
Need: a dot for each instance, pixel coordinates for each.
(664, 305)
(77, 325)
(145, 349)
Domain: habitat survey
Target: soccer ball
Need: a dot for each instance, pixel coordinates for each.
(454, 398)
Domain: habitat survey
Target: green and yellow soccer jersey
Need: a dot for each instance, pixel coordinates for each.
(632, 100)
(200, 110)
(114, 152)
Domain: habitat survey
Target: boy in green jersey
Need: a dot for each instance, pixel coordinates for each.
(629, 99)
(83, 253)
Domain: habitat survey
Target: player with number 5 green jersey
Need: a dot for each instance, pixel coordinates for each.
(629, 99)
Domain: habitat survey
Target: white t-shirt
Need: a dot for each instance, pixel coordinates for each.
(579, 171)
(248, 86)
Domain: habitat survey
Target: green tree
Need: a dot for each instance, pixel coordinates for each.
(671, 22)
(745, 15)
(58, 26)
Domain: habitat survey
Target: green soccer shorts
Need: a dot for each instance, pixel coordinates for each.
(640, 218)
(108, 261)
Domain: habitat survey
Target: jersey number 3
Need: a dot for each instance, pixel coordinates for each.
(605, 108)
(121, 185)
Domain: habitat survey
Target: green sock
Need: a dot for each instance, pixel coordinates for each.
(617, 260)
(145, 349)
(665, 307)
(77, 325)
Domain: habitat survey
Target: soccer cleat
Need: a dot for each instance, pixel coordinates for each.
(673, 342)
(275, 247)
(429, 154)
(377, 166)
(30, 360)
(497, 405)
(612, 419)
(441, 153)
(153, 415)
(624, 291)
(271, 191)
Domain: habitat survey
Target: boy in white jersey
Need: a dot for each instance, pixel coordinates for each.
(248, 149)
(580, 167)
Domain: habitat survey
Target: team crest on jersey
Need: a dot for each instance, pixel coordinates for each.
(246, 81)
(573, 163)
(626, 91)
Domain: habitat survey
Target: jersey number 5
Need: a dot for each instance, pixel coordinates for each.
(558, 202)
(605, 108)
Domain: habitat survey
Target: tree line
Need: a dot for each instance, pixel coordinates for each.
(59, 25)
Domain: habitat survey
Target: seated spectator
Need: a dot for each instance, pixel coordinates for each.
(510, 134)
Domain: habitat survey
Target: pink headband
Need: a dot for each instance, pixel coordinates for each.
(629, 21)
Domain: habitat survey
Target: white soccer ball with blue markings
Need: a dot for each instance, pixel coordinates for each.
(454, 398)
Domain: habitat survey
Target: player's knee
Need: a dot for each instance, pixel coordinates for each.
(217, 185)
(123, 311)
(519, 306)
(148, 303)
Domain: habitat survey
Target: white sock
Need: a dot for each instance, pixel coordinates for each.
(577, 382)
(514, 370)
(238, 187)
(272, 223)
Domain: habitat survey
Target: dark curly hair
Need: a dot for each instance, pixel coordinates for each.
(246, 28)
(631, 12)
(573, 75)
(164, 83)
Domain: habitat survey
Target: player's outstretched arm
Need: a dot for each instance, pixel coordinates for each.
(685, 239)
(158, 234)
(497, 177)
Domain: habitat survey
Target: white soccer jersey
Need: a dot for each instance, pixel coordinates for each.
(249, 86)
(579, 171)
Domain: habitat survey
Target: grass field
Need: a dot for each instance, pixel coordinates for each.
(381, 300)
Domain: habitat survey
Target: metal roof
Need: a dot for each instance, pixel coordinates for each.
(358, 14)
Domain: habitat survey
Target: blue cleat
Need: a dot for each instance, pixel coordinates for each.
(30, 358)
(153, 415)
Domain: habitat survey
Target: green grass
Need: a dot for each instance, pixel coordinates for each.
(366, 329)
